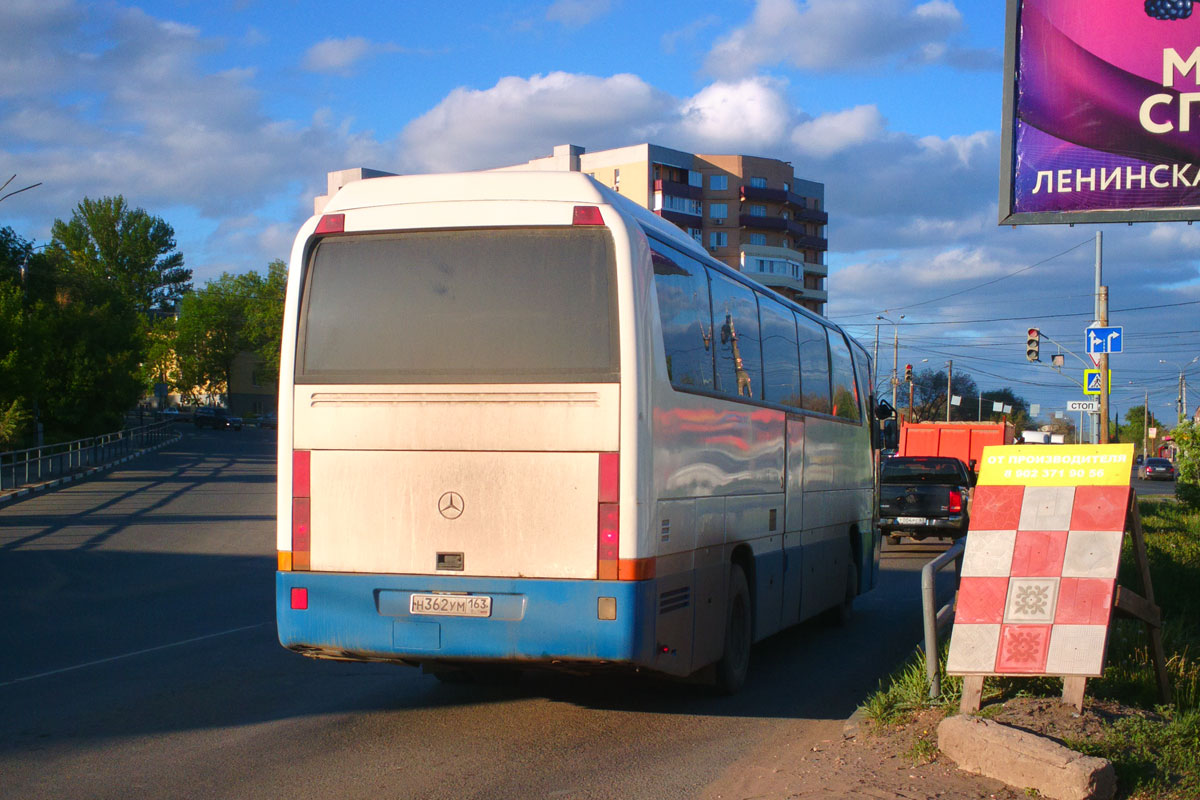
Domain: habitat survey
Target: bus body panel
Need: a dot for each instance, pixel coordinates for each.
(513, 418)
(383, 512)
(367, 617)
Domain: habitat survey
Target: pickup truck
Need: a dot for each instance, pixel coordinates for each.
(922, 496)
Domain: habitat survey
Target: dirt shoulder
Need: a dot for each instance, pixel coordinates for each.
(900, 762)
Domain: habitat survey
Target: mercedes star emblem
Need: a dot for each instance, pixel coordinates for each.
(450, 505)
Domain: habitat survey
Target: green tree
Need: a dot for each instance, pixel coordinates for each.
(1134, 428)
(264, 316)
(1019, 416)
(106, 241)
(929, 395)
(210, 333)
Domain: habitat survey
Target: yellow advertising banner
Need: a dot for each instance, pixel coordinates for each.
(1057, 465)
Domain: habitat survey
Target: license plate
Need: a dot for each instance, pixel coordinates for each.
(910, 520)
(451, 605)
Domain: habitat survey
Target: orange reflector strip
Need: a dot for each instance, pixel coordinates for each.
(283, 560)
(636, 569)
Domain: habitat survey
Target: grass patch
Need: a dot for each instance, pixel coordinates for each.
(1155, 756)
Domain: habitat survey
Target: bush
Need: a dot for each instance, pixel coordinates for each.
(1186, 436)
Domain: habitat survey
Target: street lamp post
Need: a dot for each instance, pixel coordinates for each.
(1181, 399)
(895, 353)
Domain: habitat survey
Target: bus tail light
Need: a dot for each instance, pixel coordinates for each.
(301, 510)
(608, 527)
(331, 223)
(608, 542)
(587, 215)
(955, 506)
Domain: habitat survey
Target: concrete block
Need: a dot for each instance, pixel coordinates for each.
(1025, 760)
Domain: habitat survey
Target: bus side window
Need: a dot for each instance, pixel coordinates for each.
(845, 395)
(736, 338)
(683, 309)
(781, 362)
(814, 365)
(862, 368)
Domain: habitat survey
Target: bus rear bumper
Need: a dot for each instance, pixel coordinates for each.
(366, 617)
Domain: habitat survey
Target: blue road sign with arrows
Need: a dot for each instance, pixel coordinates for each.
(1102, 340)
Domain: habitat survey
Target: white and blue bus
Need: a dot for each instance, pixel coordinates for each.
(523, 420)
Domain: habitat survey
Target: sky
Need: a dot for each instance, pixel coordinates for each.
(224, 116)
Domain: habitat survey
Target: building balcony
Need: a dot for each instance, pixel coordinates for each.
(764, 194)
(800, 212)
(681, 219)
(679, 189)
(795, 230)
(803, 239)
(762, 223)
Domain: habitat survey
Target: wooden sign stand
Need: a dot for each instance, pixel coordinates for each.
(1128, 603)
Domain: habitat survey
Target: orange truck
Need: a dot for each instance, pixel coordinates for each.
(962, 440)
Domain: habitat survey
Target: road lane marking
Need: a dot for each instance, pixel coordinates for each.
(131, 655)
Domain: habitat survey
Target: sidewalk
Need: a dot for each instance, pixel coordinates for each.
(13, 495)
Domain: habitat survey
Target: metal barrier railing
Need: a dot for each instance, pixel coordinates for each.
(936, 620)
(35, 465)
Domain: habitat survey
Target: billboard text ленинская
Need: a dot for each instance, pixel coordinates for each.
(1101, 112)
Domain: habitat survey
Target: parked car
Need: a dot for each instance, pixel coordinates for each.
(216, 418)
(922, 496)
(1157, 469)
(269, 420)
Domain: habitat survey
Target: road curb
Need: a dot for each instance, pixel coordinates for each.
(13, 495)
(1025, 760)
(853, 724)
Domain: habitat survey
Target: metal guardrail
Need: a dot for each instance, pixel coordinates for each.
(936, 620)
(35, 465)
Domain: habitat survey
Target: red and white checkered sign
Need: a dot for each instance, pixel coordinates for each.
(1038, 578)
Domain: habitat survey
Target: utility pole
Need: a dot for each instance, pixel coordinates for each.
(1102, 321)
(1146, 425)
(875, 358)
(895, 361)
(949, 375)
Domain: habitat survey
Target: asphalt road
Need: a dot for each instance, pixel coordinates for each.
(140, 660)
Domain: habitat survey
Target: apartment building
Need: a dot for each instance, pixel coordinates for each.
(752, 213)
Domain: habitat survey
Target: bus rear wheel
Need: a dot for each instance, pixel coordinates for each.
(739, 635)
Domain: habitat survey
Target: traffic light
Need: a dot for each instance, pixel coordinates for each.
(1032, 344)
(908, 373)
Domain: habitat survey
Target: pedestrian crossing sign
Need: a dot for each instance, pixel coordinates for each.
(1091, 381)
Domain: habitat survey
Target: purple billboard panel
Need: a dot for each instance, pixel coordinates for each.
(1101, 111)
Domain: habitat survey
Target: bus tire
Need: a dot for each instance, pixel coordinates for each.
(844, 611)
(739, 635)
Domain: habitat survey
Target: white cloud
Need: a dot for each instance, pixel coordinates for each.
(338, 56)
(523, 118)
(577, 13)
(750, 114)
(831, 133)
(827, 35)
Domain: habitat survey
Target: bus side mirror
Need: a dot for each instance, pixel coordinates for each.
(972, 466)
(884, 410)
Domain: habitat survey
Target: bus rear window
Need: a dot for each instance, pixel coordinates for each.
(465, 306)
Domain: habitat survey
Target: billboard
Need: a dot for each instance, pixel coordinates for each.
(1101, 111)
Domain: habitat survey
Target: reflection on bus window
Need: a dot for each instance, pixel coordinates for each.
(738, 348)
(845, 395)
(683, 307)
(781, 361)
(814, 365)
